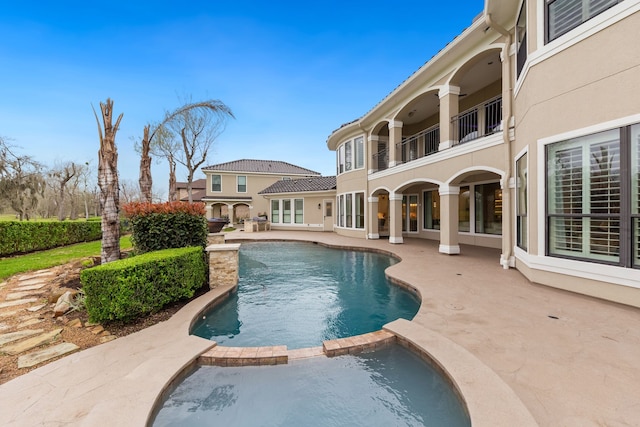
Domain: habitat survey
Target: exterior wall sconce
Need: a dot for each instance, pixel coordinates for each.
(319, 206)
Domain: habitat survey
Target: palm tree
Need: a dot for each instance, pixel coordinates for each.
(108, 182)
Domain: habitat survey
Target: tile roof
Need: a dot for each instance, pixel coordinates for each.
(260, 166)
(196, 195)
(320, 183)
(198, 184)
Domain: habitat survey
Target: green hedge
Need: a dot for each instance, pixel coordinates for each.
(157, 231)
(136, 286)
(18, 237)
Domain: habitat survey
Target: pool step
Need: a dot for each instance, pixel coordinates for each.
(358, 343)
(279, 355)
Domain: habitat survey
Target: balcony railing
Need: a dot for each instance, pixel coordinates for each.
(482, 120)
(420, 145)
(380, 160)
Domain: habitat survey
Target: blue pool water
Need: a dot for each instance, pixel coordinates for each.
(388, 387)
(300, 294)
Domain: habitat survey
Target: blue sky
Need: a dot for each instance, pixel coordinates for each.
(291, 72)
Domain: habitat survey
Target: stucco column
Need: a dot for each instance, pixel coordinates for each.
(373, 229)
(395, 218)
(372, 143)
(449, 107)
(508, 189)
(449, 201)
(395, 139)
(209, 210)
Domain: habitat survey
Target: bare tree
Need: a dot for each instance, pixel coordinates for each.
(197, 129)
(21, 181)
(59, 177)
(184, 136)
(145, 180)
(130, 192)
(108, 182)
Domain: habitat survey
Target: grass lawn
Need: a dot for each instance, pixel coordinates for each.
(52, 257)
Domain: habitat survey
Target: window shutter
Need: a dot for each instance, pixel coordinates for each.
(563, 16)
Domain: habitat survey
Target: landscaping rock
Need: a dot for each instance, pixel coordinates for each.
(107, 338)
(97, 330)
(17, 302)
(29, 343)
(36, 357)
(20, 295)
(15, 336)
(64, 303)
(36, 307)
(30, 322)
(75, 323)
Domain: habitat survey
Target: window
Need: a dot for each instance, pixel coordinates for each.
(286, 211)
(242, 184)
(275, 211)
(216, 183)
(488, 208)
(521, 38)
(351, 209)
(359, 210)
(522, 234)
(565, 15)
(431, 214)
(592, 197)
(348, 156)
(359, 146)
(464, 210)
(298, 206)
(410, 213)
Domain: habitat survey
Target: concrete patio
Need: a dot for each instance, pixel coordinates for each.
(570, 360)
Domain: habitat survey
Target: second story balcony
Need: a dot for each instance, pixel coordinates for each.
(481, 120)
(419, 145)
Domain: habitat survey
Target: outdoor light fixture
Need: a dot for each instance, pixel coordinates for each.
(319, 206)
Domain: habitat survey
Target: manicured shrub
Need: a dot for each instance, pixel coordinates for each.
(139, 285)
(157, 226)
(18, 237)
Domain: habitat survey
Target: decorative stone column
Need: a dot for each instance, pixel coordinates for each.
(395, 218)
(215, 238)
(373, 219)
(395, 139)
(449, 107)
(224, 264)
(449, 201)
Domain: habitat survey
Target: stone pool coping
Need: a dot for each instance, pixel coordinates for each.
(123, 382)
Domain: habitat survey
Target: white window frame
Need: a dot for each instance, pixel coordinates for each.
(246, 186)
(213, 190)
(350, 155)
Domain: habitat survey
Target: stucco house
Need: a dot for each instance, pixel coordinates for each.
(302, 203)
(232, 188)
(522, 134)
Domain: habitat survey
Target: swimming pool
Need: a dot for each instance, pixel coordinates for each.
(388, 387)
(300, 294)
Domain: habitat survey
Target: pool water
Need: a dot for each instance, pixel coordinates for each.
(388, 387)
(300, 294)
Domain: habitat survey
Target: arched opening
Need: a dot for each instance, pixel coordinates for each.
(480, 98)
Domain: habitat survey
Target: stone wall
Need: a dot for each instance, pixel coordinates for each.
(224, 264)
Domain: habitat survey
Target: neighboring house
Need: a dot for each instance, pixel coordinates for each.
(232, 188)
(302, 203)
(197, 190)
(521, 134)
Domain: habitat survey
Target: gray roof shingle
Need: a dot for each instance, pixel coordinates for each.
(261, 166)
(320, 183)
